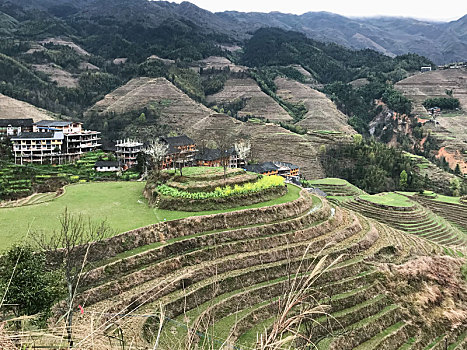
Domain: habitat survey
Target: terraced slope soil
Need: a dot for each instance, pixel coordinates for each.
(455, 213)
(452, 128)
(58, 75)
(220, 63)
(322, 112)
(452, 136)
(434, 84)
(177, 109)
(12, 109)
(258, 103)
(410, 218)
(219, 279)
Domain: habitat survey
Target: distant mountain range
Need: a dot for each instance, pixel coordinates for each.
(442, 42)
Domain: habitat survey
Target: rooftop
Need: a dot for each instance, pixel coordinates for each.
(106, 163)
(212, 154)
(128, 143)
(16, 122)
(39, 135)
(271, 166)
(54, 123)
(262, 167)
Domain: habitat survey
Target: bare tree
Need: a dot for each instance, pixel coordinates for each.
(156, 152)
(243, 149)
(69, 248)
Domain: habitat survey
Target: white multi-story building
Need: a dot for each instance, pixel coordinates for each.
(54, 141)
(38, 147)
(77, 141)
(127, 152)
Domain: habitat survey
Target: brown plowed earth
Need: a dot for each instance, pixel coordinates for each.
(258, 103)
(322, 112)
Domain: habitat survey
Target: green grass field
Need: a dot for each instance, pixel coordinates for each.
(393, 199)
(120, 204)
(329, 181)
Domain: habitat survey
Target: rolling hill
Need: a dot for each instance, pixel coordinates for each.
(322, 112)
(450, 129)
(176, 108)
(15, 109)
(258, 104)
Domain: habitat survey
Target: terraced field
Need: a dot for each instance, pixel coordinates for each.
(219, 280)
(409, 217)
(454, 213)
(322, 112)
(176, 107)
(335, 189)
(419, 87)
(13, 109)
(258, 103)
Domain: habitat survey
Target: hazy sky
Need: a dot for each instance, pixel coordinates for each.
(428, 9)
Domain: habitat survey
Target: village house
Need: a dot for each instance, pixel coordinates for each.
(181, 151)
(107, 165)
(213, 158)
(13, 127)
(287, 170)
(127, 151)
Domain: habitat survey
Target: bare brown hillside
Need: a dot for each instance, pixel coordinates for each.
(177, 109)
(16, 109)
(258, 103)
(269, 141)
(434, 84)
(219, 63)
(322, 112)
(64, 42)
(58, 75)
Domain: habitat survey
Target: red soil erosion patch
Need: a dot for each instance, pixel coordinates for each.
(453, 159)
(431, 288)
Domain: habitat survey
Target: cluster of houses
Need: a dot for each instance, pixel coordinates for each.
(55, 142)
(48, 141)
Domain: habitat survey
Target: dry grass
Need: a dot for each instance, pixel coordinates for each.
(322, 112)
(15, 109)
(431, 288)
(258, 104)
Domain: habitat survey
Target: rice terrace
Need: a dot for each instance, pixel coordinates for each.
(180, 178)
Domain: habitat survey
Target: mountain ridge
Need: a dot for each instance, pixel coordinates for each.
(442, 42)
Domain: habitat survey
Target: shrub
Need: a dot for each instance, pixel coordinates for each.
(26, 281)
(262, 184)
(442, 102)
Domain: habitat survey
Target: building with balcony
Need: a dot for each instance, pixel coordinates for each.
(14, 127)
(214, 157)
(38, 147)
(181, 151)
(77, 141)
(287, 170)
(127, 151)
